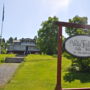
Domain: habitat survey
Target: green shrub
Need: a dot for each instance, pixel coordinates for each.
(78, 64)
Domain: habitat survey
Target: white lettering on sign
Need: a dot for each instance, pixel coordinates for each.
(78, 45)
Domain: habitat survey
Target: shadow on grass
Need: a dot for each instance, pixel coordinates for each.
(71, 76)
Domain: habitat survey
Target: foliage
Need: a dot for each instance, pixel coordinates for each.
(47, 36)
(78, 64)
(3, 46)
(10, 40)
(15, 38)
(4, 51)
(78, 20)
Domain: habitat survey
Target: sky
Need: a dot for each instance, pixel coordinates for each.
(24, 17)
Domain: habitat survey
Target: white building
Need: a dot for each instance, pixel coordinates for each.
(23, 46)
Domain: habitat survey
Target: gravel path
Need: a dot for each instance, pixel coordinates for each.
(6, 72)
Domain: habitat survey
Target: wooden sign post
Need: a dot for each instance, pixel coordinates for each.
(59, 62)
(58, 86)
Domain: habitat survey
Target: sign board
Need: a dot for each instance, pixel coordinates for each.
(78, 45)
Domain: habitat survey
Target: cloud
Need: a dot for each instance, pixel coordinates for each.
(56, 5)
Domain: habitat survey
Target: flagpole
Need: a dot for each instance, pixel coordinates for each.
(1, 37)
(2, 29)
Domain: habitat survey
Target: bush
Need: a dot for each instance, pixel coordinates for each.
(4, 51)
(78, 64)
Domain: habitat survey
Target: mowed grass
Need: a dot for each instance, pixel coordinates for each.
(38, 72)
(3, 56)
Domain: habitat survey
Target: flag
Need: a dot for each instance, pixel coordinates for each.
(3, 14)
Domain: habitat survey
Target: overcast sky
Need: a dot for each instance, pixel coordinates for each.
(23, 17)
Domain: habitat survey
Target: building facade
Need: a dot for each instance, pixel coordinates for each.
(23, 46)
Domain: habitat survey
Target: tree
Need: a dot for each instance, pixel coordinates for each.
(78, 20)
(3, 46)
(10, 40)
(2, 40)
(78, 64)
(47, 36)
(22, 39)
(15, 38)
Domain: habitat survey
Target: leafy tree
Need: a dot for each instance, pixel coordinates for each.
(78, 20)
(15, 38)
(47, 36)
(2, 45)
(78, 64)
(22, 39)
(2, 40)
(10, 40)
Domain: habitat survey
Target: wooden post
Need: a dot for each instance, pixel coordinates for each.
(59, 85)
(59, 62)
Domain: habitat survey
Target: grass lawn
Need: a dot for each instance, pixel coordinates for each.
(3, 56)
(38, 72)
